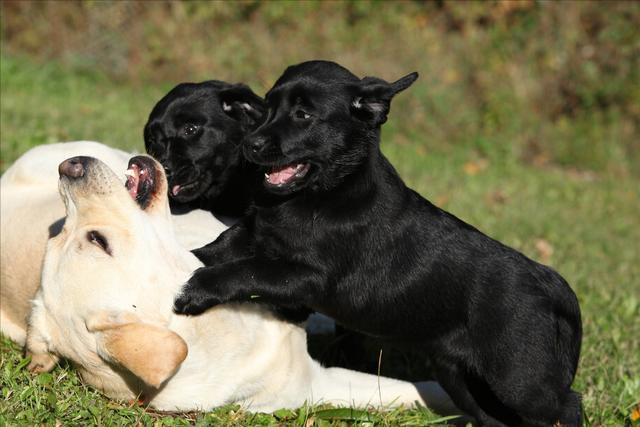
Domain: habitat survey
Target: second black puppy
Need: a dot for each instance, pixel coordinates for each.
(195, 132)
(343, 235)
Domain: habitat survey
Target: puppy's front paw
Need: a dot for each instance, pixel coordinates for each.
(193, 304)
(196, 296)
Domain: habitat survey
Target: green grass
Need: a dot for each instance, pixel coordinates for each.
(585, 224)
(551, 83)
(42, 103)
(60, 397)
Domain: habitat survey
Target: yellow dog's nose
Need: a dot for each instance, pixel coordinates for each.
(73, 167)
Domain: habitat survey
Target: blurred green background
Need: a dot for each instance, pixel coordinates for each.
(525, 120)
(542, 83)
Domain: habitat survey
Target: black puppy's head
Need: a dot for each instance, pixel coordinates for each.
(321, 125)
(195, 132)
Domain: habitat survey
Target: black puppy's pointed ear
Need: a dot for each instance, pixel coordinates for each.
(373, 97)
(240, 103)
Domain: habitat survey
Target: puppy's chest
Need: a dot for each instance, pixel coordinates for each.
(284, 237)
(307, 236)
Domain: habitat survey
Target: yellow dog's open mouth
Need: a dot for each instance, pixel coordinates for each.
(141, 180)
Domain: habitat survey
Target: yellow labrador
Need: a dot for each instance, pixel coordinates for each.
(31, 211)
(105, 303)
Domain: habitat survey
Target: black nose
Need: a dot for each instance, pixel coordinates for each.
(73, 167)
(256, 143)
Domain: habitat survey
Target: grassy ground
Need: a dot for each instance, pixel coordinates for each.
(582, 222)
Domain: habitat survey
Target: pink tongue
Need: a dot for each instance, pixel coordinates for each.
(283, 175)
(133, 181)
(133, 189)
(175, 190)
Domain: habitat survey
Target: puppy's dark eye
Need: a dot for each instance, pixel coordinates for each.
(302, 115)
(99, 240)
(189, 129)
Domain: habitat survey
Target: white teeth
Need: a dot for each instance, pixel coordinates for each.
(301, 170)
(266, 175)
(129, 172)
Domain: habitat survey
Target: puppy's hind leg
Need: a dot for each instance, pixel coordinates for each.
(572, 410)
(569, 409)
(536, 388)
(452, 378)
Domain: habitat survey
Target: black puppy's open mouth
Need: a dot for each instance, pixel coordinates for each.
(279, 176)
(141, 180)
(181, 188)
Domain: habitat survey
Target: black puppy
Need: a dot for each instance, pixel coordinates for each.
(195, 131)
(343, 235)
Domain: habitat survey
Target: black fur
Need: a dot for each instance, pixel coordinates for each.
(195, 131)
(349, 239)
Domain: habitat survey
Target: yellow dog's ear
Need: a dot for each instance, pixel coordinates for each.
(152, 353)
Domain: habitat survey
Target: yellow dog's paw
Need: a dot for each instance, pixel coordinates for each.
(43, 362)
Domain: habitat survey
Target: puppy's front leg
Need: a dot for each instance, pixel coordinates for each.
(248, 279)
(231, 245)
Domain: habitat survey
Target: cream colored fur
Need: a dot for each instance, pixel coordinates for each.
(31, 210)
(111, 316)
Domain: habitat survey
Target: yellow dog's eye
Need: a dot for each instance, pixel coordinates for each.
(99, 240)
